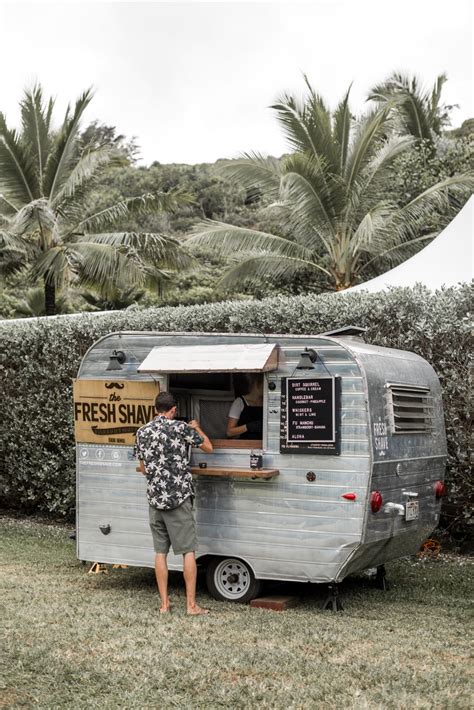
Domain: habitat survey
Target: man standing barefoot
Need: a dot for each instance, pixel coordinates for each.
(162, 449)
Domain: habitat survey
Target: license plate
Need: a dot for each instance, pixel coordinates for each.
(412, 510)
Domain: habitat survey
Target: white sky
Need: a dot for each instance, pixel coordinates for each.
(193, 80)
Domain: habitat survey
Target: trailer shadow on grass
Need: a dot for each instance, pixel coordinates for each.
(405, 582)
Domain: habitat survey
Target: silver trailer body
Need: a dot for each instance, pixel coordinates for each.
(289, 527)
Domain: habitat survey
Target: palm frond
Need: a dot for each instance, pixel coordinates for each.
(104, 266)
(314, 169)
(8, 209)
(148, 203)
(148, 248)
(415, 117)
(230, 240)
(307, 126)
(35, 118)
(310, 215)
(400, 252)
(436, 91)
(411, 100)
(396, 82)
(254, 269)
(369, 133)
(52, 266)
(384, 156)
(87, 167)
(342, 129)
(13, 241)
(438, 112)
(14, 252)
(254, 169)
(308, 129)
(97, 265)
(372, 233)
(35, 217)
(377, 172)
(290, 116)
(18, 178)
(62, 153)
(318, 122)
(158, 280)
(409, 217)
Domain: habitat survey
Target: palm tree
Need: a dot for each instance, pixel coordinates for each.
(422, 113)
(45, 177)
(326, 192)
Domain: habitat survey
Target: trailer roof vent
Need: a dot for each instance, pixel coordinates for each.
(410, 409)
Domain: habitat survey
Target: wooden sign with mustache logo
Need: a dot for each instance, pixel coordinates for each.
(110, 412)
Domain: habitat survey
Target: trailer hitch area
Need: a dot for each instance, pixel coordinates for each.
(394, 509)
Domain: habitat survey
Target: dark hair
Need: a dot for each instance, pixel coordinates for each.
(164, 402)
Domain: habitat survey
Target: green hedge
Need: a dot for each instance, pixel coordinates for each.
(40, 358)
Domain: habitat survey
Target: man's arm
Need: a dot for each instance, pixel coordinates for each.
(206, 445)
(141, 467)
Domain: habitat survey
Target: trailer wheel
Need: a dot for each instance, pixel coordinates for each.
(231, 580)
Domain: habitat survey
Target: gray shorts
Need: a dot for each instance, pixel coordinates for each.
(176, 527)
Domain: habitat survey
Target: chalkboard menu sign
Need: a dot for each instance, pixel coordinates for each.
(310, 415)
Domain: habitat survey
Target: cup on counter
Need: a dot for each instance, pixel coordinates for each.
(256, 459)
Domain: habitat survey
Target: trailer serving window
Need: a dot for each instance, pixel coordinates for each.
(207, 378)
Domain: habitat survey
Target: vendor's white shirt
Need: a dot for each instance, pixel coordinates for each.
(236, 409)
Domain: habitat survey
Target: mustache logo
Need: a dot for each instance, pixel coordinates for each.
(114, 385)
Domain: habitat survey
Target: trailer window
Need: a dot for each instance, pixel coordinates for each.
(410, 409)
(208, 397)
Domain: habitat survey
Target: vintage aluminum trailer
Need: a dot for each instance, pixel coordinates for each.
(353, 444)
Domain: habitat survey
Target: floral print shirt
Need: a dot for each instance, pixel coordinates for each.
(163, 446)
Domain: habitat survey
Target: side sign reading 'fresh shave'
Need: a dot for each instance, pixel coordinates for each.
(310, 414)
(110, 412)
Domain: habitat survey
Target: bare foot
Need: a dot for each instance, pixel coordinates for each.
(165, 609)
(198, 611)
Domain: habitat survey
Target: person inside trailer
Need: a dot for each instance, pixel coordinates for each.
(245, 420)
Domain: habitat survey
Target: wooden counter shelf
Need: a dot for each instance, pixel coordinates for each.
(265, 473)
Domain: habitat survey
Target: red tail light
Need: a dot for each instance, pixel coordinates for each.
(349, 496)
(439, 489)
(375, 501)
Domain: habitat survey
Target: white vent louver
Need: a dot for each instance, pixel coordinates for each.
(410, 409)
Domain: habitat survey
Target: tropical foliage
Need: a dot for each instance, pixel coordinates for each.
(32, 304)
(47, 228)
(225, 201)
(326, 194)
(418, 169)
(116, 300)
(421, 112)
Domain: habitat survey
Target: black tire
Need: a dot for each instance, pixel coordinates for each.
(231, 580)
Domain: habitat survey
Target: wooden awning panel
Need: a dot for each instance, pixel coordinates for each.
(241, 357)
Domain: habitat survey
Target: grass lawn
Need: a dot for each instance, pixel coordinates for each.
(73, 640)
